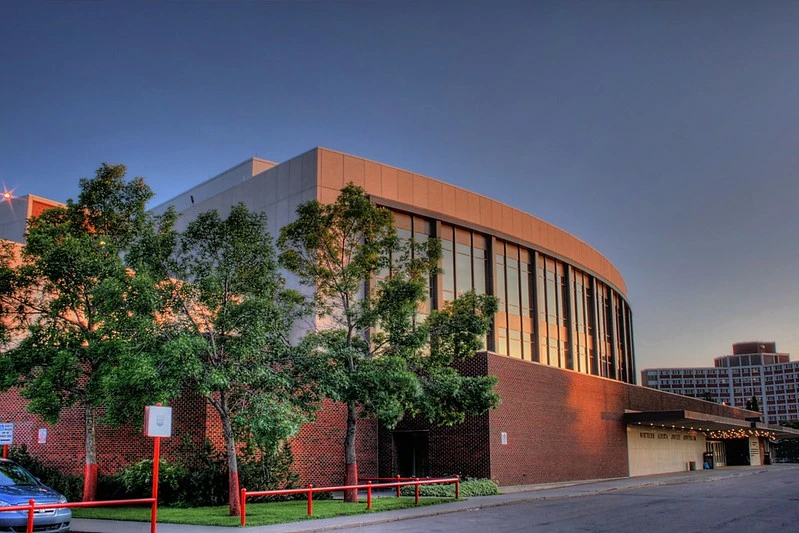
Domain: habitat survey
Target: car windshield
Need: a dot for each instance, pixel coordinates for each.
(13, 474)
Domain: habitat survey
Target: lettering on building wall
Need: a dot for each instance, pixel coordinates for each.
(665, 436)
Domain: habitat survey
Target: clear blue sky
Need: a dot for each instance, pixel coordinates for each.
(664, 134)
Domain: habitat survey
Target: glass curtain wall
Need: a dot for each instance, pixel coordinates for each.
(548, 312)
(463, 262)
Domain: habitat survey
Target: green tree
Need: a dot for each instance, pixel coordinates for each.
(76, 316)
(373, 352)
(229, 327)
(753, 404)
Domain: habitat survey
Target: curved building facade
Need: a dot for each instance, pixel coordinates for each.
(562, 304)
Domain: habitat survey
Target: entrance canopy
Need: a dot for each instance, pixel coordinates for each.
(716, 427)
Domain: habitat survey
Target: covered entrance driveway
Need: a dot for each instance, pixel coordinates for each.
(670, 441)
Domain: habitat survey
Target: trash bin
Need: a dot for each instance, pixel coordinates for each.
(767, 458)
(691, 465)
(709, 461)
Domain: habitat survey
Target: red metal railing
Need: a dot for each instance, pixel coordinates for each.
(32, 506)
(390, 479)
(368, 487)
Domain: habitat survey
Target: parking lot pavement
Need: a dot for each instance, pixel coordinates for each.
(509, 495)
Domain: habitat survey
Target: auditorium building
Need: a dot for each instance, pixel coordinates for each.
(562, 346)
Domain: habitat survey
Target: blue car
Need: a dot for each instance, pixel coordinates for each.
(17, 487)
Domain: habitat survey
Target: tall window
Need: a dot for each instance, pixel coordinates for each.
(513, 272)
(501, 320)
(420, 229)
(463, 261)
(479, 258)
(582, 321)
(447, 262)
(553, 319)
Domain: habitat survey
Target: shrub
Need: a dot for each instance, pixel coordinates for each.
(206, 480)
(200, 478)
(137, 480)
(469, 488)
(264, 471)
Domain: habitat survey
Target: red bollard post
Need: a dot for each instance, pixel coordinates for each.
(310, 500)
(156, 465)
(369, 495)
(5, 451)
(398, 487)
(31, 503)
(417, 490)
(457, 487)
(243, 507)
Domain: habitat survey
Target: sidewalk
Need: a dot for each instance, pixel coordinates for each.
(509, 496)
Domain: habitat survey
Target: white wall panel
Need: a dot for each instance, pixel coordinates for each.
(658, 451)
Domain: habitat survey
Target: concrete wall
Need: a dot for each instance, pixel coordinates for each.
(276, 191)
(658, 451)
(220, 183)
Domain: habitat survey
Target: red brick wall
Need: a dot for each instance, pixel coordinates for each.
(462, 449)
(319, 447)
(564, 425)
(65, 449)
(560, 425)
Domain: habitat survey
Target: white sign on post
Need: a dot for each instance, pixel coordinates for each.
(157, 421)
(6, 434)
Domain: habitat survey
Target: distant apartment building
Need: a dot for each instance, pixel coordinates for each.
(754, 369)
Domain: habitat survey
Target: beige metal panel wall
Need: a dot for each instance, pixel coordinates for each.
(659, 451)
(383, 181)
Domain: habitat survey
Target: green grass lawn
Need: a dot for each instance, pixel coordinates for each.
(258, 514)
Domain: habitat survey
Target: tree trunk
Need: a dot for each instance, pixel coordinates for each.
(232, 465)
(90, 468)
(351, 476)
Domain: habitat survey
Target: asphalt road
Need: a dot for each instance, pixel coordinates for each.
(767, 501)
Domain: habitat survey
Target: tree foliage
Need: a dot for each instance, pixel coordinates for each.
(752, 404)
(375, 352)
(230, 320)
(78, 321)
